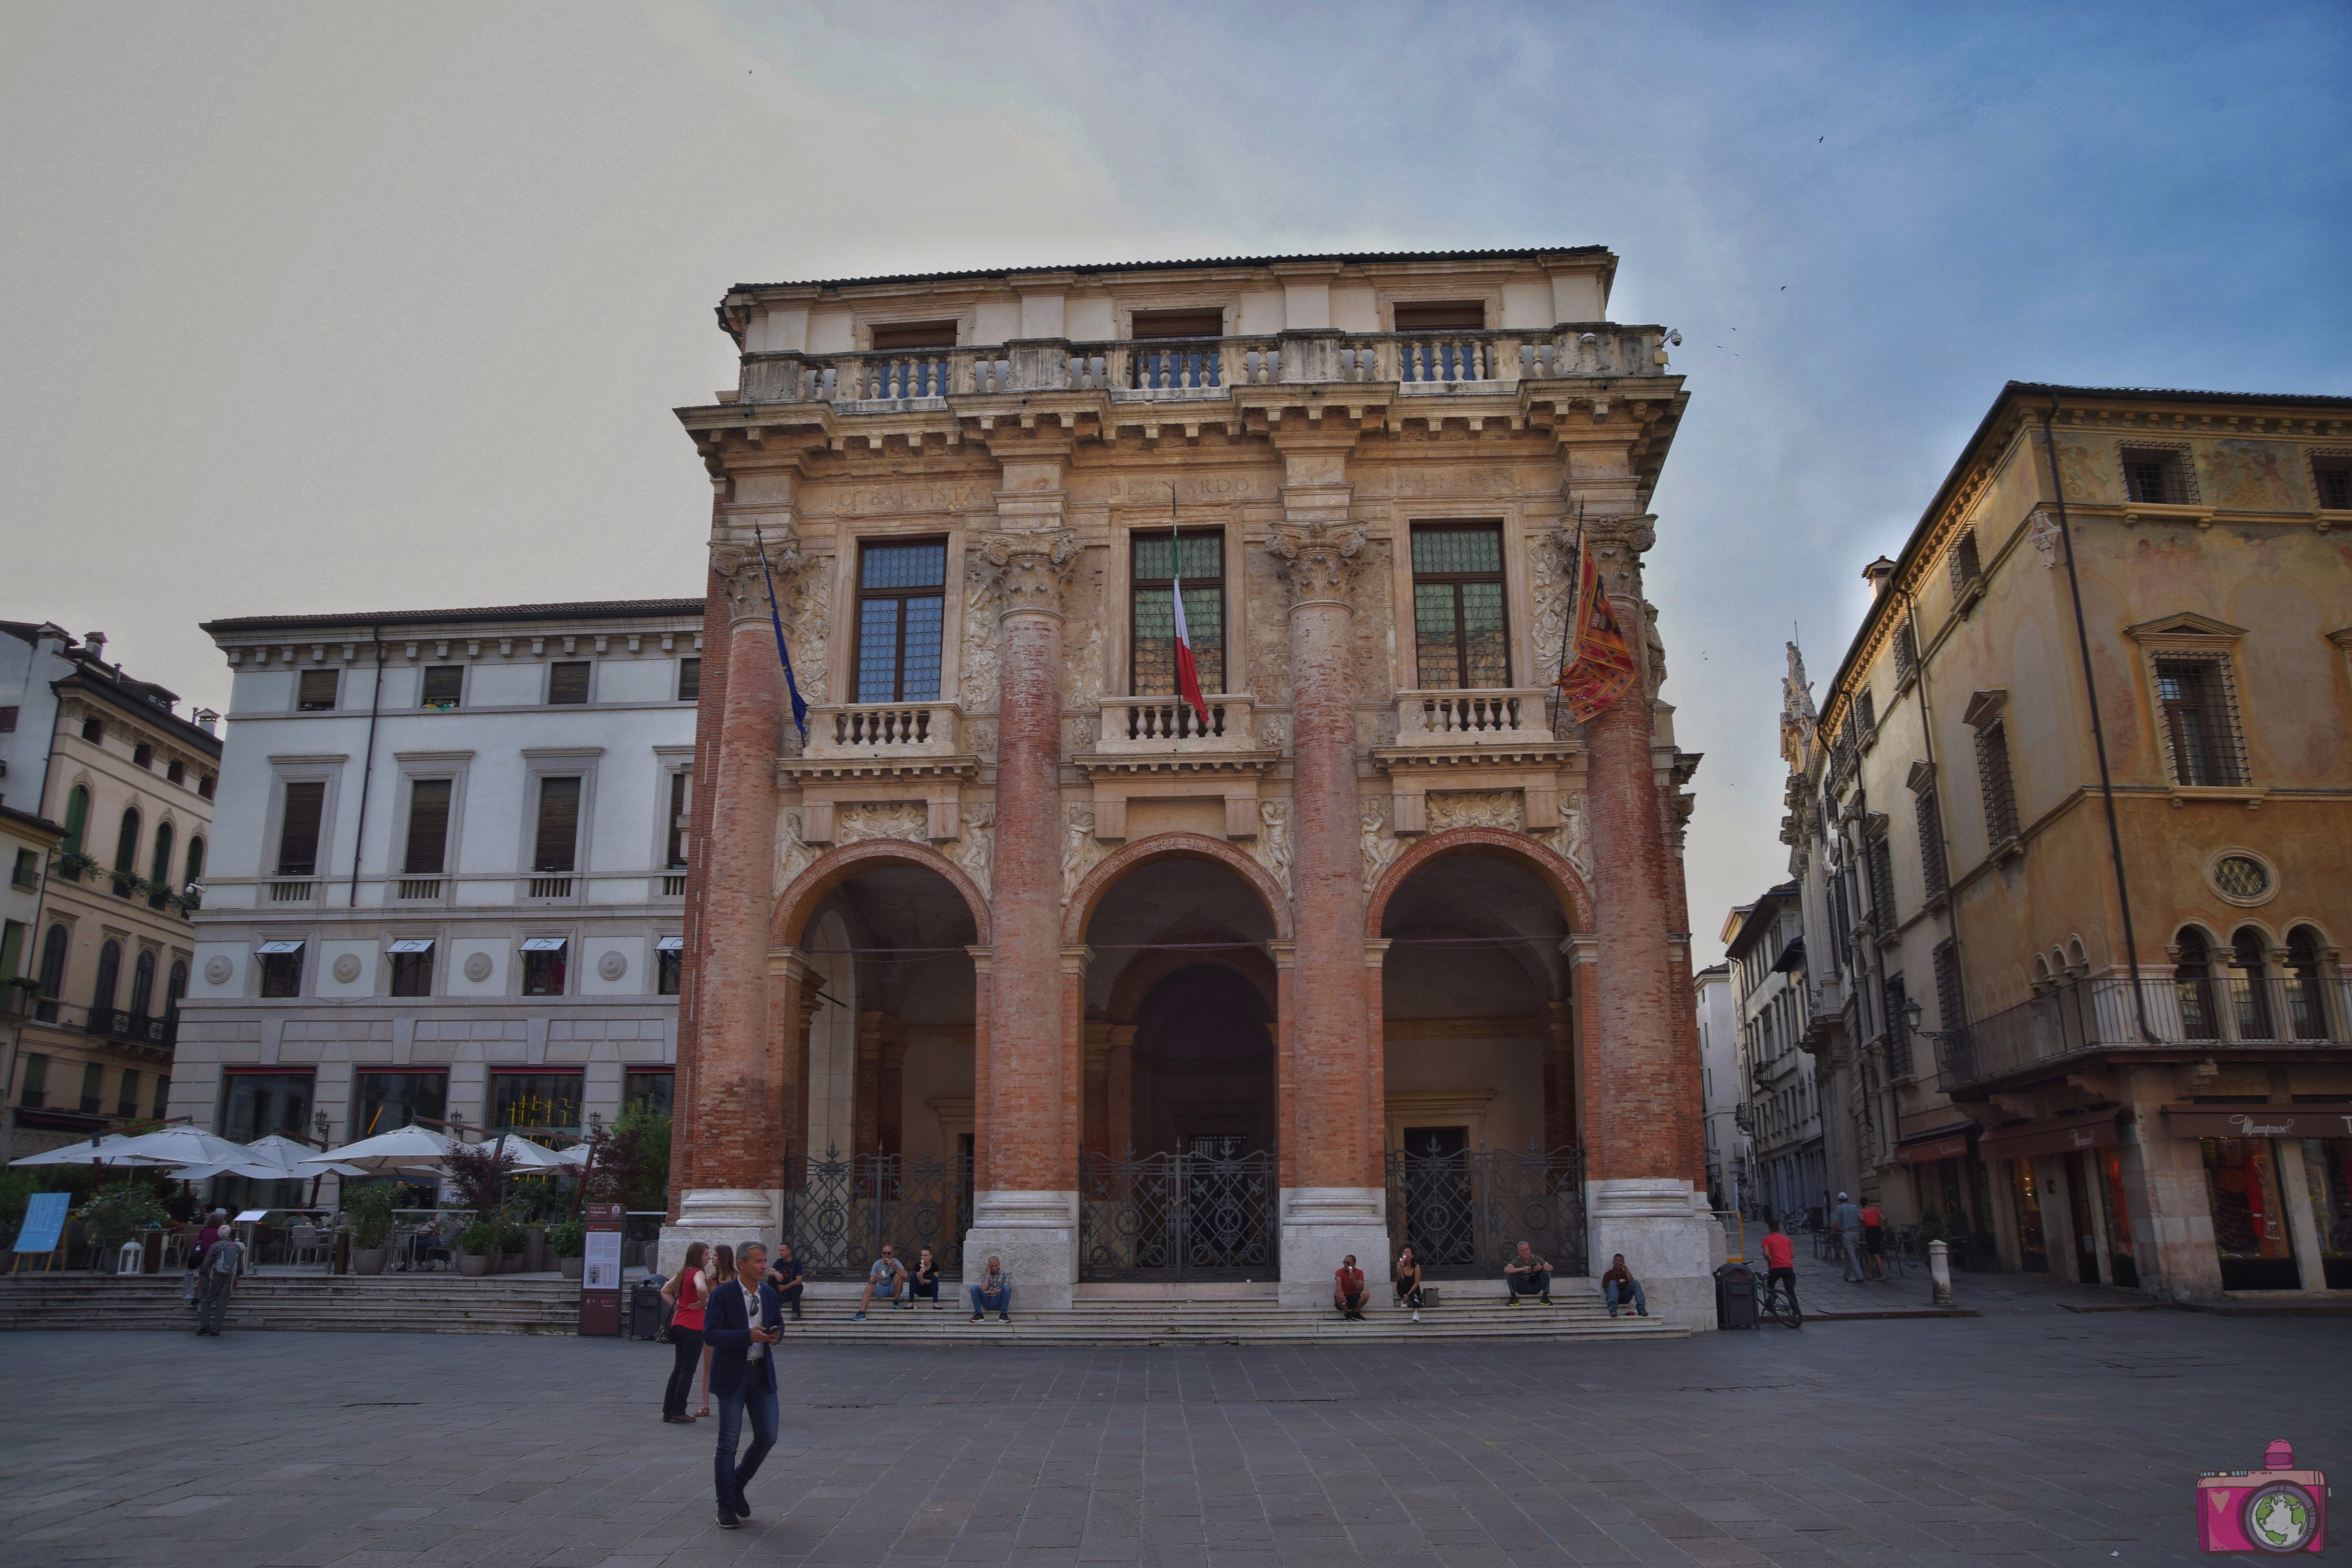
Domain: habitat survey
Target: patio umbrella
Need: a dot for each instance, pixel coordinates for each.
(288, 1155)
(402, 1149)
(185, 1145)
(575, 1156)
(529, 1156)
(94, 1152)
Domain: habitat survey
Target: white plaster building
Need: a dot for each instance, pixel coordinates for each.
(449, 870)
(1722, 1085)
(1765, 944)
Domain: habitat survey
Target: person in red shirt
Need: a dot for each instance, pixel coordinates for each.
(1348, 1289)
(1873, 1242)
(1780, 1261)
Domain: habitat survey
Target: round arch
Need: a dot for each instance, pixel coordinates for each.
(1549, 865)
(1170, 846)
(800, 899)
(1137, 979)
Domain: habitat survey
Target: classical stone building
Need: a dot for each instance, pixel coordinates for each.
(2071, 829)
(1013, 952)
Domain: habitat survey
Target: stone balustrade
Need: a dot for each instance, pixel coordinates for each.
(1134, 726)
(882, 730)
(1506, 715)
(1180, 369)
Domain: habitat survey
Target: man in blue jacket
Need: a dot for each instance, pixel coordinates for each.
(741, 1326)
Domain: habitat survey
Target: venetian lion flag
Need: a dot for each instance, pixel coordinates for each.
(1600, 665)
(1188, 674)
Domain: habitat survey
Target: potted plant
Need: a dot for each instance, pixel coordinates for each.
(477, 1243)
(367, 1215)
(510, 1240)
(568, 1239)
(118, 1213)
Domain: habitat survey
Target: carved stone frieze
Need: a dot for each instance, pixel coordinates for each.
(736, 564)
(1477, 808)
(1271, 849)
(1033, 567)
(981, 660)
(906, 819)
(809, 619)
(1317, 562)
(793, 853)
(1551, 558)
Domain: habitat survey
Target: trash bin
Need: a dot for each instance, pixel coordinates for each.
(646, 1308)
(1735, 1297)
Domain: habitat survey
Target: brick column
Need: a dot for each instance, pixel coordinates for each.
(1025, 1202)
(1643, 1083)
(735, 1162)
(1329, 1208)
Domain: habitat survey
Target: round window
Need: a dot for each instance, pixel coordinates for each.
(2240, 877)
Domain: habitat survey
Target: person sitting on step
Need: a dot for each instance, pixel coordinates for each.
(925, 1280)
(1348, 1289)
(1621, 1288)
(887, 1278)
(1408, 1282)
(1526, 1275)
(993, 1293)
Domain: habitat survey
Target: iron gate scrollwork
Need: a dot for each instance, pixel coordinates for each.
(1464, 1212)
(842, 1208)
(1207, 1214)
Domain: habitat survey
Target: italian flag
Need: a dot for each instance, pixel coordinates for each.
(1188, 674)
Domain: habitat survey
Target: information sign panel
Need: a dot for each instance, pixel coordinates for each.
(600, 1270)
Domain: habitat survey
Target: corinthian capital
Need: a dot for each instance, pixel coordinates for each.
(1317, 561)
(736, 564)
(1032, 567)
(1633, 533)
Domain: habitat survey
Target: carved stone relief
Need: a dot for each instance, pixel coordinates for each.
(809, 615)
(793, 853)
(1381, 846)
(1551, 558)
(982, 602)
(1475, 808)
(975, 848)
(1033, 566)
(1079, 850)
(736, 564)
(612, 965)
(478, 967)
(1372, 629)
(1268, 650)
(1082, 666)
(1271, 849)
(1572, 840)
(908, 819)
(1317, 560)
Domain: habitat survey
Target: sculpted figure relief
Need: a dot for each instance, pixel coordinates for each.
(1079, 849)
(808, 616)
(1381, 847)
(979, 664)
(794, 854)
(906, 819)
(1475, 808)
(1271, 849)
(1572, 840)
(975, 851)
(1552, 560)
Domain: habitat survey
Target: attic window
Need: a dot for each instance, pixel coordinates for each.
(914, 335)
(2154, 476)
(143, 756)
(1442, 316)
(2335, 477)
(1179, 325)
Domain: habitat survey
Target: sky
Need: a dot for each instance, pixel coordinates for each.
(328, 308)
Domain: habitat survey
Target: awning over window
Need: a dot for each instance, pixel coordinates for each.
(2329, 1120)
(1926, 1148)
(671, 945)
(274, 948)
(412, 944)
(543, 944)
(2048, 1136)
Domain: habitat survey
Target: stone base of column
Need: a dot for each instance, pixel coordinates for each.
(721, 1216)
(1035, 1235)
(1321, 1225)
(1671, 1242)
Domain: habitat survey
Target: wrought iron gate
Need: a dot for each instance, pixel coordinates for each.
(1201, 1216)
(1464, 1213)
(844, 1207)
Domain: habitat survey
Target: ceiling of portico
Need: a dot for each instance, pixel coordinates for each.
(907, 907)
(1475, 936)
(1179, 900)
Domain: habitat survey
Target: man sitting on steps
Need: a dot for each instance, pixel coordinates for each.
(1526, 1275)
(1348, 1289)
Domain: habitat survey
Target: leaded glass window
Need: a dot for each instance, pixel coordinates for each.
(1153, 610)
(901, 606)
(1461, 636)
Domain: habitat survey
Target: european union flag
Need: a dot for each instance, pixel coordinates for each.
(783, 654)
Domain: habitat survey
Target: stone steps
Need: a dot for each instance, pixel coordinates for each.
(398, 1304)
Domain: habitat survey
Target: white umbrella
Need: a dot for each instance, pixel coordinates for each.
(402, 1149)
(93, 1152)
(576, 1156)
(286, 1154)
(529, 1156)
(185, 1145)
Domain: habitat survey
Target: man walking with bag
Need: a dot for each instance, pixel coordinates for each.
(217, 1281)
(1846, 1220)
(741, 1325)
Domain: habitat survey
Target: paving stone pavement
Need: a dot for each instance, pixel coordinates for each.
(2035, 1437)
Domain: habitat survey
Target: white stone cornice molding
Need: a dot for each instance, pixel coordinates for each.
(1317, 562)
(1032, 566)
(736, 564)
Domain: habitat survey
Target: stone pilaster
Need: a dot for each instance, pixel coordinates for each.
(1025, 1207)
(1329, 1208)
(1645, 1199)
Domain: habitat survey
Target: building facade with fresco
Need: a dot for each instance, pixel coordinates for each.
(2071, 827)
(1014, 952)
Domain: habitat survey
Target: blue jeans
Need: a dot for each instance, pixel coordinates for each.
(733, 1475)
(1632, 1291)
(991, 1300)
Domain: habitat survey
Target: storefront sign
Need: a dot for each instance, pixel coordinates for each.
(1944, 1146)
(2260, 1120)
(600, 1270)
(2047, 1136)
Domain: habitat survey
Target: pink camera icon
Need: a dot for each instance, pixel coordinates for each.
(2277, 1510)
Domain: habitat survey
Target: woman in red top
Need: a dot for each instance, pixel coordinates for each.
(690, 1292)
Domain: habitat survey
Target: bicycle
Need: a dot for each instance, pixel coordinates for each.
(1778, 1303)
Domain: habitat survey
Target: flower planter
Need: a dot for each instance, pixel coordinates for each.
(368, 1259)
(473, 1265)
(510, 1264)
(572, 1266)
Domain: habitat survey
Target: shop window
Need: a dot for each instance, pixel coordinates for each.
(298, 827)
(689, 680)
(428, 827)
(901, 605)
(646, 1091)
(445, 687)
(2027, 1192)
(1200, 559)
(257, 1104)
(385, 1101)
(2327, 1173)
(2123, 1263)
(316, 693)
(543, 968)
(535, 1101)
(567, 683)
(2249, 1221)
(412, 966)
(1461, 636)
(2199, 716)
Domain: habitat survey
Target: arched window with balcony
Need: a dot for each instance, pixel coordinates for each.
(126, 852)
(160, 865)
(2306, 985)
(2251, 990)
(110, 982)
(142, 984)
(2192, 980)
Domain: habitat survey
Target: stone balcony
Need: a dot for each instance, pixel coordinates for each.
(1144, 726)
(881, 754)
(1178, 370)
(1498, 740)
(1506, 716)
(882, 732)
(1197, 777)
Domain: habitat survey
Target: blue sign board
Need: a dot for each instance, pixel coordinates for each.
(45, 1222)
